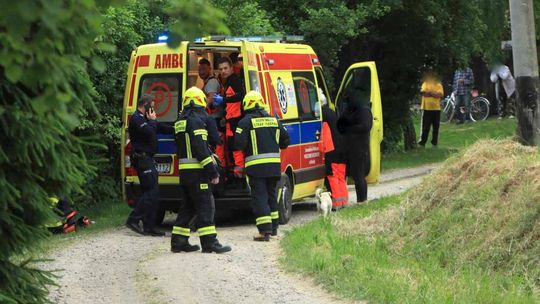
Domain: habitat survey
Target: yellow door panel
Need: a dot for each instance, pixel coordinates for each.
(364, 79)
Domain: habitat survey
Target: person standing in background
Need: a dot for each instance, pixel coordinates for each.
(506, 104)
(462, 85)
(432, 92)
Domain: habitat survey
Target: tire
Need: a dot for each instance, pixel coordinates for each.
(284, 199)
(479, 109)
(447, 110)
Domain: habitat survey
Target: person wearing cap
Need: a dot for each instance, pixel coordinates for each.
(261, 137)
(198, 173)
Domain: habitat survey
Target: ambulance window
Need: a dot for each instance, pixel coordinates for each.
(164, 88)
(254, 81)
(306, 95)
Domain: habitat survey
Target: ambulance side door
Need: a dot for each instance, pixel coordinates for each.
(361, 82)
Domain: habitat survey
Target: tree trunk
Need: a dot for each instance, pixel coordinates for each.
(409, 135)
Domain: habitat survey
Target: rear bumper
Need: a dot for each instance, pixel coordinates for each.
(170, 198)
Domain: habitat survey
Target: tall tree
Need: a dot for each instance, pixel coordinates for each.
(44, 88)
(402, 36)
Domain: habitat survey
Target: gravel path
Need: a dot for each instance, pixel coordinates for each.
(122, 267)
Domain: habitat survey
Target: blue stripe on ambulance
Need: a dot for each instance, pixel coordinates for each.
(166, 144)
(300, 133)
(303, 133)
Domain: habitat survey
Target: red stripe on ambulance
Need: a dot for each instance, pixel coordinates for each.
(288, 61)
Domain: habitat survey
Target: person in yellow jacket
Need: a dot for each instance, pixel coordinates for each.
(432, 92)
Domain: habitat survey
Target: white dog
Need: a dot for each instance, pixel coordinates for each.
(324, 202)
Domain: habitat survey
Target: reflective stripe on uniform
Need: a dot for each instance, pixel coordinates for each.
(207, 160)
(189, 163)
(188, 146)
(264, 220)
(274, 215)
(265, 158)
(254, 142)
(238, 130)
(277, 136)
(200, 132)
(206, 230)
(180, 231)
(203, 186)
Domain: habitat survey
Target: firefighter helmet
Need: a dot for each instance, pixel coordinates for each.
(254, 100)
(194, 97)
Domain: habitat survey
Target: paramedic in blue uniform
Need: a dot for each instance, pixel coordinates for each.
(261, 137)
(143, 129)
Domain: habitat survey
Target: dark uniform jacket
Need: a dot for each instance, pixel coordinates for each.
(194, 156)
(261, 137)
(355, 124)
(143, 133)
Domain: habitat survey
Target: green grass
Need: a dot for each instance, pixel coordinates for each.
(452, 139)
(470, 233)
(365, 269)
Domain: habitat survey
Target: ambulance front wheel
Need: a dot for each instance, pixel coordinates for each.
(284, 199)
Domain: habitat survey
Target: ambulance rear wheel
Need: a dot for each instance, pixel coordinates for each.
(285, 200)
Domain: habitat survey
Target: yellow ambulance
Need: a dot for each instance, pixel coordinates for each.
(287, 74)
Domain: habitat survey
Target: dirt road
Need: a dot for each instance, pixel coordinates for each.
(122, 267)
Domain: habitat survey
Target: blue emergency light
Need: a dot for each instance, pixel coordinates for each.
(163, 38)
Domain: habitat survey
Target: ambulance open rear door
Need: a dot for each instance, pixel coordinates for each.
(361, 81)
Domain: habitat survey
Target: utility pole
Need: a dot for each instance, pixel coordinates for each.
(526, 71)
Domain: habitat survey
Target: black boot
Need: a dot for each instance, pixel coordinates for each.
(180, 243)
(262, 237)
(274, 232)
(134, 226)
(216, 247)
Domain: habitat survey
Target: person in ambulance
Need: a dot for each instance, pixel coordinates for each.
(233, 92)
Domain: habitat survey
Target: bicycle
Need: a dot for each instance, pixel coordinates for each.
(479, 109)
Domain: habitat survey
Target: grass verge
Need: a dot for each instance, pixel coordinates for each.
(470, 233)
(452, 139)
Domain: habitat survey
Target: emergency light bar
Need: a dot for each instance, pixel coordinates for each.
(289, 38)
(163, 38)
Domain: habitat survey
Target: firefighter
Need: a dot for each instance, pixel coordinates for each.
(261, 137)
(197, 172)
(234, 92)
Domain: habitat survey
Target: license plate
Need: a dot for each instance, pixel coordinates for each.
(163, 168)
